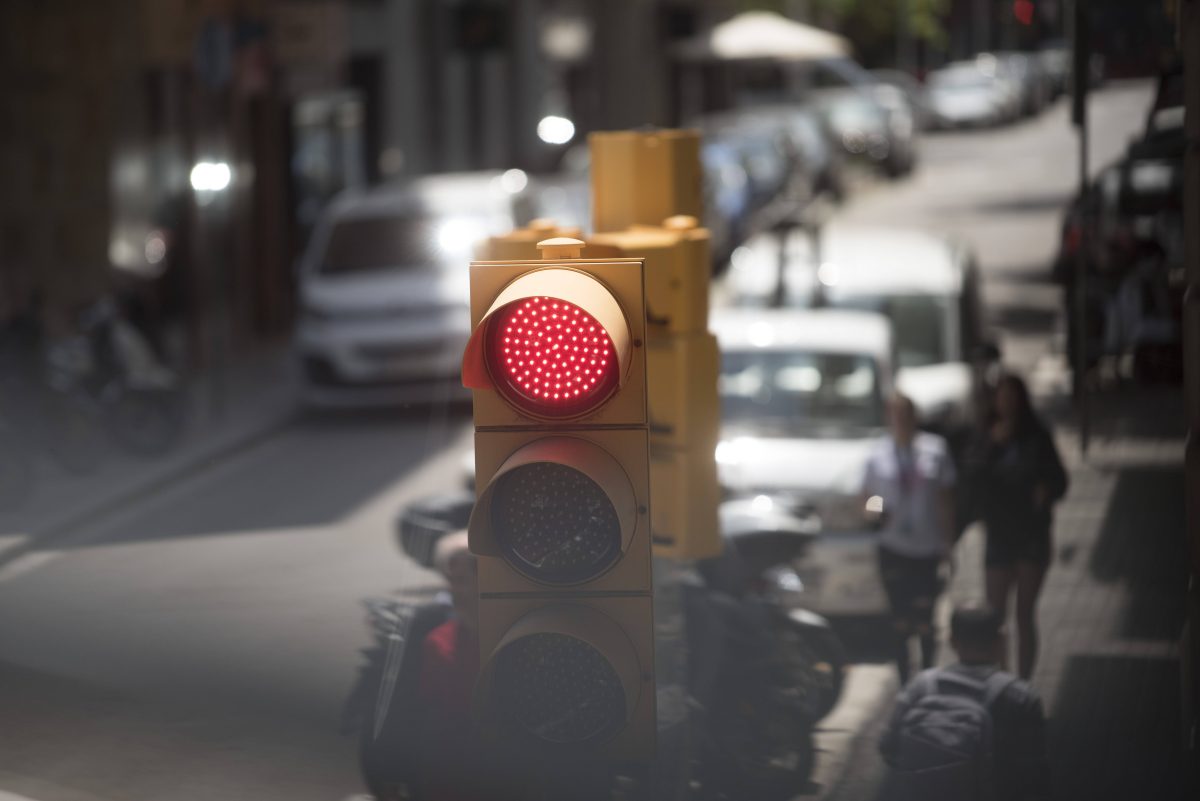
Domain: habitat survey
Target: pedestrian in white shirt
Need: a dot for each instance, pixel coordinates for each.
(908, 489)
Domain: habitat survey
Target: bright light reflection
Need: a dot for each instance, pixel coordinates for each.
(762, 503)
(827, 274)
(761, 335)
(155, 248)
(555, 130)
(458, 235)
(513, 181)
(211, 176)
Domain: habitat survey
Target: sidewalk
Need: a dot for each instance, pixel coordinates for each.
(259, 398)
(1113, 604)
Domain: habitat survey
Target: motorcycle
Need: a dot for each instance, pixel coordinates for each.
(763, 670)
(113, 374)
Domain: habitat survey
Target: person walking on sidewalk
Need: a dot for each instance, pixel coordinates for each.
(970, 731)
(1015, 478)
(908, 489)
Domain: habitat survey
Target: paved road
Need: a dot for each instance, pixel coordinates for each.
(200, 645)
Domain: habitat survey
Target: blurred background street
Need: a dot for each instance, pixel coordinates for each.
(183, 575)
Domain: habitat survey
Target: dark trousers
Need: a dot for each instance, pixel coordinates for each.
(912, 586)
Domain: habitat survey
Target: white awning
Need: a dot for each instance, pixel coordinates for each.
(766, 35)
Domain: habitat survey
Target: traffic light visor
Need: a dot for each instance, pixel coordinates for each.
(555, 344)
(560, 511)
(564, 674)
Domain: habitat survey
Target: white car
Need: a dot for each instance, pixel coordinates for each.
(802, 403)
(384, 287)
(927, 286)
(972, 94)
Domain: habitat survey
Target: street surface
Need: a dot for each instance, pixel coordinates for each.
(200, 643)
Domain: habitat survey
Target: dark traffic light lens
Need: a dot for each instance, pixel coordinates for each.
(551, 358)
(555, 524)
(559, 689)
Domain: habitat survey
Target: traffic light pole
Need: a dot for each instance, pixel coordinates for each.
(1190, 641)
(1080, 74)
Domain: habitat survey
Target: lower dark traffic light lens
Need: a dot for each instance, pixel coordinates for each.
(559, 689)
(555, 524)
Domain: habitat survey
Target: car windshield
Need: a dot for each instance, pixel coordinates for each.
(797, 393)
(389, 243)
(918, 324)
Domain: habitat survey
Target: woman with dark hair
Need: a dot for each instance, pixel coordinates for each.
(1016, 477)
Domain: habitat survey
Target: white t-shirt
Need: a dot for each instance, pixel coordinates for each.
(910, 481)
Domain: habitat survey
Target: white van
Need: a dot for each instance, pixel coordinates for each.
(384, 287)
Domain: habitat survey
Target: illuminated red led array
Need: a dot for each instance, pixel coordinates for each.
(552, 356)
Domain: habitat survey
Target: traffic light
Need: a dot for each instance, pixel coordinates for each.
(644, 177)
(557, 365)
(636, 175)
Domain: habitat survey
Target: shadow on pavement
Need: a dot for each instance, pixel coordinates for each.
(865, 639)
(1142, 545)
(314, 473)
(1114, 732)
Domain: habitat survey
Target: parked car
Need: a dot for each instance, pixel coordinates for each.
(802, 402)
(912, 91)
(762, 147)
(966, 94)
(729, 195)
(728, 200)
(865, 117)
(1027, 74)
(384, 287)
(1133, 248)
(814, 161)
(1055, 56)
(928, 287)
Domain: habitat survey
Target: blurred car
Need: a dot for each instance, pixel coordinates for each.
(870, 120)
(728, 200)
(729, 196)
(1055, 56)
(1028, 76)
(815, 164)
(964, 94)
(911, 90)
(761, 145)
(384, 287)
(928, 287)
(802, 402)
(1134, 208)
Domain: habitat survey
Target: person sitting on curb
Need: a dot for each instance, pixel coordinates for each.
(971, 730)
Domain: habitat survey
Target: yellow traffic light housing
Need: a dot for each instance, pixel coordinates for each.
(644, 177)
(557, 365)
